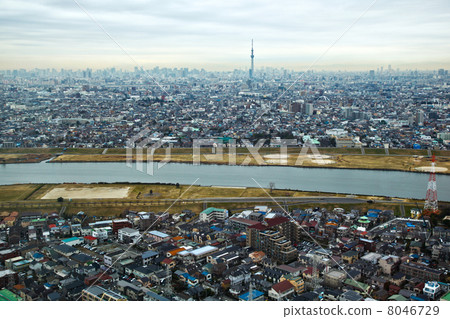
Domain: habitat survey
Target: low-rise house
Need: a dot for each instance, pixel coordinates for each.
(168, 263)
(8, 278)
(128, 235)
(357, 285)
(65, 250)
(331, 294)
(90, 240)
(350, 256)
(350, 295)
(334, 278)
(98, 293)
(253, 295)
(82, 259)
(239, 276)
(432, 289)
(152, 296)
(296, 281)
(282, 290)
(145, 271)
(257, 256)
(389, 264)
(101, 234)
(158, 236)
(149, 256)
(398, 278)
(307, 296)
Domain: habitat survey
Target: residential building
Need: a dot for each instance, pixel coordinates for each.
(158, 236)
(350, 256)
(253, 295)
(282, 290)
(267, 236)
(72, 241)
(7, 254)
(119, 224)
(389, 264)
(98, 293)
(8, 278)
(128, 235)
(296, 281)
(100, 233)
(421, 272)
(334, 278)
(432, 289)
(212, 213)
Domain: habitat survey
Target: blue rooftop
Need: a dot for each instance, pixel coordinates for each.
(415, 298)
(189, 277)
(68, 240)
(38, 255)
(158, 234)
(255, 294)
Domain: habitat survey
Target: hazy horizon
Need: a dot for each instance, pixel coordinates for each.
(216, 35)
(317, 69)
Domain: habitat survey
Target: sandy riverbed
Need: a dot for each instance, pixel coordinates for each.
(88, 192)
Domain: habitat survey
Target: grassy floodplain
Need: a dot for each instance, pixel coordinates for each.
(174, 199)
(401, 160)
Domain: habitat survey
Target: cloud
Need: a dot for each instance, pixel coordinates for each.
(212, 32)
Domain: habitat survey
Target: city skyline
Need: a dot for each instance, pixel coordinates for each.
(216, 35)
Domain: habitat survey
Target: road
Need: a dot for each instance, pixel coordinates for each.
(284, 200)
(315, 199)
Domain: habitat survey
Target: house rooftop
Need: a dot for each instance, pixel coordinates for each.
(71, 239)
(446, 297)
(210, 210)
(282, 286)
(255, 294)
(203, 250)
(7, 295)
(158, 234)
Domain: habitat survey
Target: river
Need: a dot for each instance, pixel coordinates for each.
(367, 182)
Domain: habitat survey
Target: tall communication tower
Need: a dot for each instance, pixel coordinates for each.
(251, 71)
(431, 201)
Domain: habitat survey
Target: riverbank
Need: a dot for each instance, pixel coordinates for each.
(406, 160)
(159, 197)
(403, 163)
(23, 158)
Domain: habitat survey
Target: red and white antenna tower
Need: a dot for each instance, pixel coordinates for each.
(431, 201)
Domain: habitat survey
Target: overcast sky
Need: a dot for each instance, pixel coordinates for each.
(217, 34)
